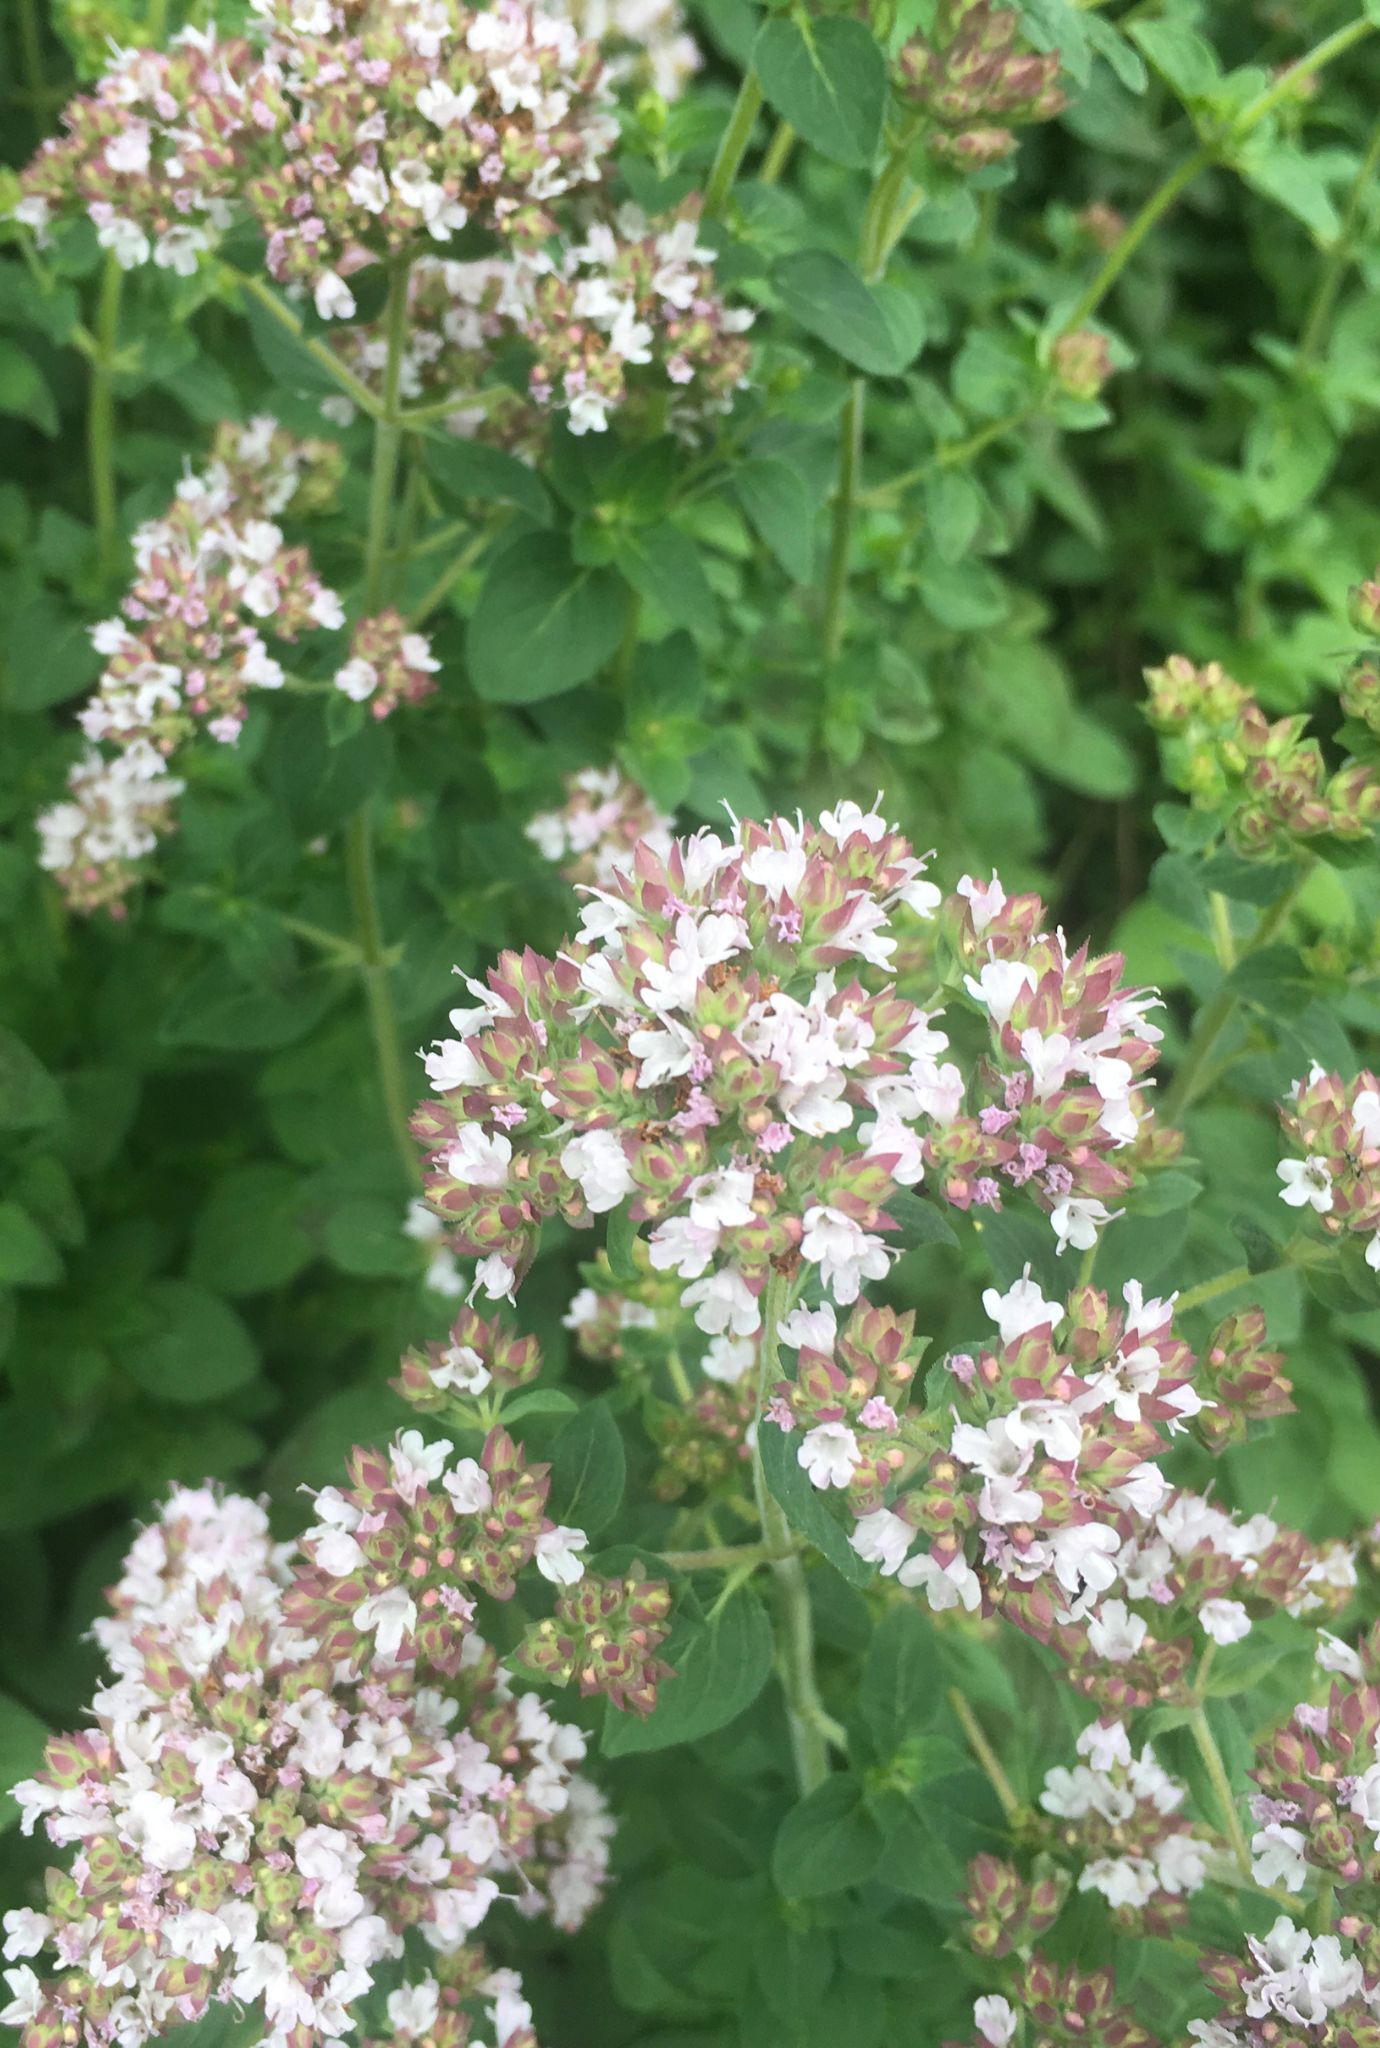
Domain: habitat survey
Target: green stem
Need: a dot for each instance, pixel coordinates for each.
(31, 51)
(733, 145)
(155, 23)
(1214, 1018)
(1132, 235)
(1319, 320)
(811, 1728)
(1222, 1283)
(453, 571)
(317, 350)
(373, 967)
(954, 455)
(841, 531)
(1221, 1789)
(100, 421)
(1165, 194)
(1312, 61)
(985, 1754)
(778, 154)
(359, 833)
(724, 1557)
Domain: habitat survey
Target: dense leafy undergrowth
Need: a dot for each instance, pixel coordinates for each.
(872, 1536)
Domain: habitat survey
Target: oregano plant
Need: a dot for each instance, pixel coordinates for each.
(689, 1093)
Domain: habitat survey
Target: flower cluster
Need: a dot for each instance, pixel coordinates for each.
(388, 665)
(96, 839)
(599, 827)
(1033, 1476)
(153, 157)
(1186, 1575)
(446, 1379)
(1057, 1100)
(1293, 1986)
(1120, 1816)
(634, 296)
(976, 83)
(272, 1795)
(1318, 1803)
(604, 1636)
(1336, 1126)
(358, 131)
(212, 576)
(1006, 1911)
(1268, 783)
(392, 1564)
(697, 1054)
(1031, 1472)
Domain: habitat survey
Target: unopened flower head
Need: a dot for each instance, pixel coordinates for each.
(973, 78)
(1267, 782)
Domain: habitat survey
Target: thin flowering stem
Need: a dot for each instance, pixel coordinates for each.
(1222, 1792)
(985, 1754)
(455, 569)
(955, 455)
(359, 834)
(733, 145)
(1179, 179)
(1213, 1020)
(326, 358)
(841, 534)
(100, 421)
(1318, 322)
(725, 1557)
(778, 154)
(812, 1729)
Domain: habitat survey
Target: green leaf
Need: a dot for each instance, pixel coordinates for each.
(22, 1740)
(542, 625)
(588, 1469)
(953, 512)
(881, 332)
(780, 510)
(23, 389)
(919, 1221)
(47, 655)
(1292, 180)
(249, 1235)
(619, 1238)
(539, 1401)
(28, 1257)
(719, 1673)
(29, 1096)
(1163, 1192)
(827, 77)
(185, 1345)
(804, 1504)
(826, 1843)
(365, 1235)
(468, 470)
(283, 354)
(1182, 58)
(664, 567)
(901, 1679)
